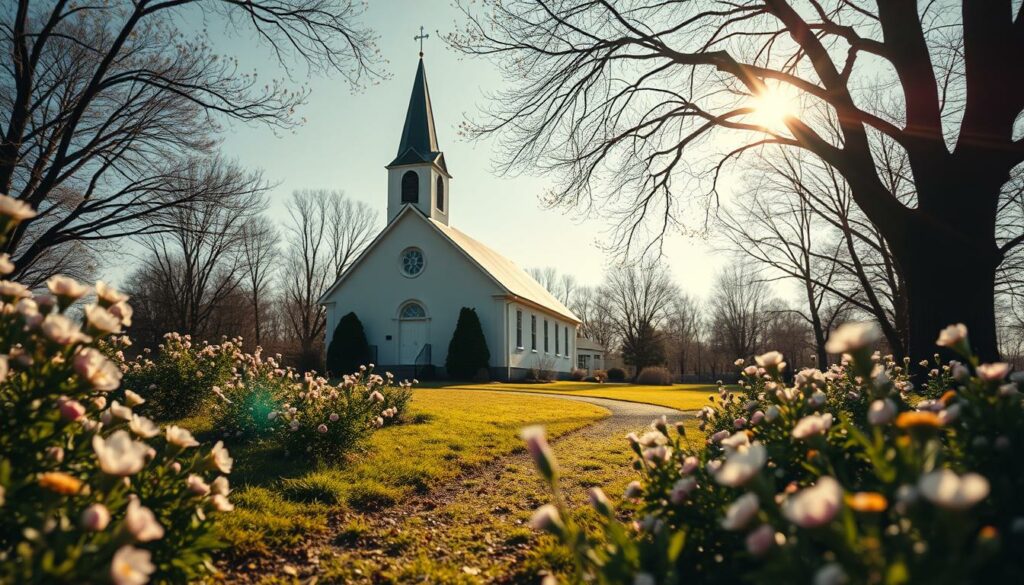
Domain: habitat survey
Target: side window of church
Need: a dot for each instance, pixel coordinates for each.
(440, 197)
(410, 187)
(545, 336)
(566, 332)
(557, 351)
(533, 332)
(519, 329)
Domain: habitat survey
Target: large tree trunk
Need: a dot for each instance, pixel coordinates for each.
(947, 284)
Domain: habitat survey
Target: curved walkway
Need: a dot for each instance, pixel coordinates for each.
(618, 408)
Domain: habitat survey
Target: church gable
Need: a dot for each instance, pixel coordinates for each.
(413, 255)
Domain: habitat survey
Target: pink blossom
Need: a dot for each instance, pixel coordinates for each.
(760, 540)
(741, 466)
(682, 489)
(881, 412)
(741, 512)
(946, 489)
(141, 522)
(993, 372)
(952, 336)
(95, 518)
(131, 566)
(71, 409)
(814, 506)
(814, 424)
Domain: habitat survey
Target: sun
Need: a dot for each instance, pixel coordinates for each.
(773, 106)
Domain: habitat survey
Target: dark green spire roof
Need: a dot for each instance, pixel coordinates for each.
(419, 140)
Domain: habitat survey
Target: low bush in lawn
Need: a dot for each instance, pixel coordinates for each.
(616, 375)
(90, 491)
(305, 415)
(253, 397)
(577, 375)
(178, 379)
(851, 475)
(654, 376)
(322, 422)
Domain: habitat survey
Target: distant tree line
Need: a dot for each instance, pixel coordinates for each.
(227, 269)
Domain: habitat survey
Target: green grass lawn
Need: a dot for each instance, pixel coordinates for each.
(481, 536)
(679, 396)
(282, 503)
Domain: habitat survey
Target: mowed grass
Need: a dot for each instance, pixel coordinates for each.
(678, 396)
(482, 536)
(282, 503)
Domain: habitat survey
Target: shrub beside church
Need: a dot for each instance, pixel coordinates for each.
(348, 349)
(467, 352)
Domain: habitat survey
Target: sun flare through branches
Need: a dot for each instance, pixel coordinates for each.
(773, 106)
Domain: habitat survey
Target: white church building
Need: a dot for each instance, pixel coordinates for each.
(409, 285)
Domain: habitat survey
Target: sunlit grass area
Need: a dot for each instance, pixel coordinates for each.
(482, 535)
(679, 396)
(281, 503)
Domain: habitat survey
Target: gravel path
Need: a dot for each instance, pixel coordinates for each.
(620, 409)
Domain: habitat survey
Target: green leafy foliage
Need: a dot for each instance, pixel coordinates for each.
(467, 352)
(90, 491)
(348, 348)
(322, 422)
(177, 380)
(851, 475)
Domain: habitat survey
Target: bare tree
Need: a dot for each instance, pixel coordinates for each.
(354, 227)
(638, 296)
(593, 308)
(683, 330)
(796, 222)
(317, 254)
(563, 285)
(259, 249)
(624, 99)
(103, 101)
(191, 267)
(739, 312)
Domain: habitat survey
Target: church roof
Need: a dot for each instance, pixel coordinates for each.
(419, 139)
(507, 273)
(504, 272)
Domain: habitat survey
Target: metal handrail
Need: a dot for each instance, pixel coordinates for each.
(423, 358)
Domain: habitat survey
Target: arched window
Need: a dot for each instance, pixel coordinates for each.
(440, 194)
(412, 310)
(410, 187)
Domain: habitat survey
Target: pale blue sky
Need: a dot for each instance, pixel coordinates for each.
(348, 138)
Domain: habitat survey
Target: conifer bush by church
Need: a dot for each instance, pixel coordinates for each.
(349, 348)
(467, 352)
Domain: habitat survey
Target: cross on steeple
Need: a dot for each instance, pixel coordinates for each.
(420, 38)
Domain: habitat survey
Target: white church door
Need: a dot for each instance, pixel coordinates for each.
(412, 332)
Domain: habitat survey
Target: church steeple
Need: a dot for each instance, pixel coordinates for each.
(419, 175)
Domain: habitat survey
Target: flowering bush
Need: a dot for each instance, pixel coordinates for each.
(251, 396)
(179, 380)
(91, 491)
(321, 421)
(849, 475)
(304, 413)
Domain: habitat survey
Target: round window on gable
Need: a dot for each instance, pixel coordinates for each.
(412, 262)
